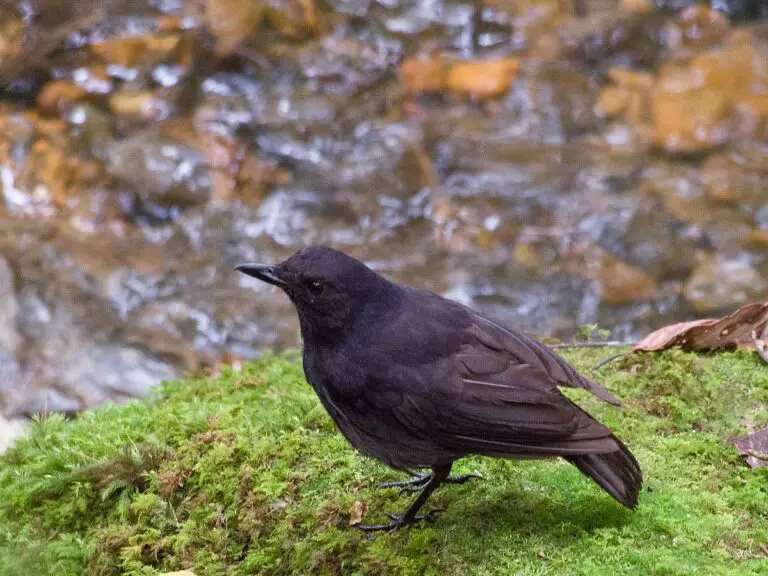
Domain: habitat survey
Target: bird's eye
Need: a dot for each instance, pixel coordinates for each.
(316, 287)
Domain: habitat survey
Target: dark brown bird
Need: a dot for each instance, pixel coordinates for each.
(419, 381)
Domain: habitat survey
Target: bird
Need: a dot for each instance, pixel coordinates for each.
(418, 381)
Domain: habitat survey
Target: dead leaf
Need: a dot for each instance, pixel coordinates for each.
(711, 333)
(754, 446)
(359, 509)
(764, 548)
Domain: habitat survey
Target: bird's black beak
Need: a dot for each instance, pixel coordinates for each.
(264, 272)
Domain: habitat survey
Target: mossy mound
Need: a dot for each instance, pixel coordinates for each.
(246, 474)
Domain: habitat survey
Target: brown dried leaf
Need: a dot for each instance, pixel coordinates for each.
(359, 509)
(754, 446)
(711, 333)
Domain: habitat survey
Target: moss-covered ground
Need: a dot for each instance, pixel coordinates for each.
(245, 474)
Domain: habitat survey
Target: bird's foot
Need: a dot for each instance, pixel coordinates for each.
(420, 480)
(400, 521)
(414, 484)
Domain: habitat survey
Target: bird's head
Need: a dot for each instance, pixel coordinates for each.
(327, 287)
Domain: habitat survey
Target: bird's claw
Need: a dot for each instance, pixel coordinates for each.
(401, 522)
(461, 479)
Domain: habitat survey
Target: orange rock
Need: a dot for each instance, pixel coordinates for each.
(631, 78)
(755, 104)
(58, 95)
(637, 112)
(526, 255)
(130, 51)
(124, 52)
(162, 45)
(697, 27)
(11, 36)
(620, 283)
(689, 121)
(546, 45)
(51, 128)
(421, 75)
(733, 71)
(757, 238)
(483, 79)
(612, 102)
(232, 21)
(142, 104)
(637, 6)
(296, 18)
(623, 284)
(169, 23)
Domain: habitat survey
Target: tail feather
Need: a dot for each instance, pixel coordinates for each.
(618, 473)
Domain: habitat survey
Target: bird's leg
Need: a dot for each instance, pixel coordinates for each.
(438, 476)
(419, 481)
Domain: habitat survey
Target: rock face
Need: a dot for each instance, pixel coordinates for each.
(721, 285)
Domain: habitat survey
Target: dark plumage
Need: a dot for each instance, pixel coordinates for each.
(418, 381)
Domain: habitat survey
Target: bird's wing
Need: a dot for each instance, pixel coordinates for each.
(526, 350)
(498, 396)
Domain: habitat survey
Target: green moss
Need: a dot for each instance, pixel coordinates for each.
(245, 474)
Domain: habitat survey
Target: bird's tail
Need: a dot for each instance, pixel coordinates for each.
(618, 473)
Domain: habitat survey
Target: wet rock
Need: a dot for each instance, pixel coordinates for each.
(343, 67)
(483, 79)
(233, 21)
(696, 27)
(11, 36)
(473, 224)
(619, 283)
(59, 96)
(686, 117)
(9, 309)
(42, 401)
(424, 75)
(640, 232)
(547, 105)
(739, 177)
(40, 169)
(628, 98)
(722, 284)
(741, 9)
(296, 19)
(160, 170)
(618, 39)
(143, 105)
(91, 131)
(638, 6)
(10, 431)
(131, 51)
(97, 373)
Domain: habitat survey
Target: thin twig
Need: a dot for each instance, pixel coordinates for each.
(610, 359)
(591, 345)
